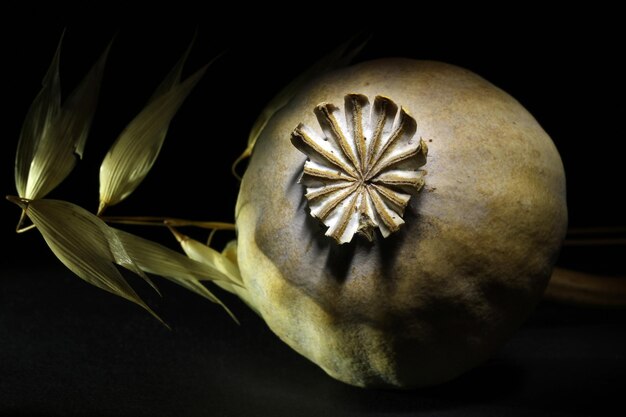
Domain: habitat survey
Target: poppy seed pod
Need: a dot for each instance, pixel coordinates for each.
(409, 231)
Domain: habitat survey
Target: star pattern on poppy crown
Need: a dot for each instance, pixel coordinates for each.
(362, 171)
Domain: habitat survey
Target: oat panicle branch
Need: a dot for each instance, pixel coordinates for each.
(136, 149)
(53, 135)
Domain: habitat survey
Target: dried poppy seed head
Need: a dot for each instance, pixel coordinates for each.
(361, 173)
(441, 294)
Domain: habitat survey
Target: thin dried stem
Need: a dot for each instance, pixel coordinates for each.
(595, 231)
(201, 224)
(20, 228)
(210, 238)
(24, 229)
(233, 169)
(167, 221)
(595, 242)
(596, 236)
(580, 288)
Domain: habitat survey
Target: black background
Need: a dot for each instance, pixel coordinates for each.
(69, 349)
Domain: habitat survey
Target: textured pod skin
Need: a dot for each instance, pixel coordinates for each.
(438, 297)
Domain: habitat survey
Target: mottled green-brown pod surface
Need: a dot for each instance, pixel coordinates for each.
(464, 269)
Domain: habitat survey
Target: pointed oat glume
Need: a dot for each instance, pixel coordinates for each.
(363, 169)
